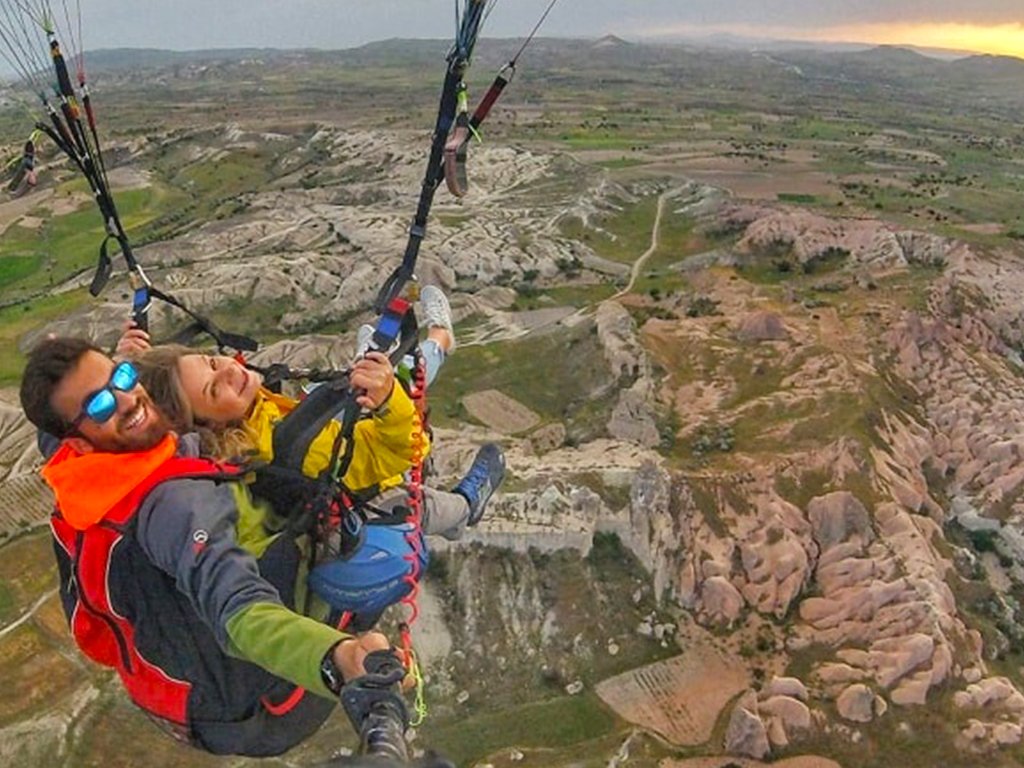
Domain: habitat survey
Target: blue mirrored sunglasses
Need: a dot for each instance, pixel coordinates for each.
(100, 405)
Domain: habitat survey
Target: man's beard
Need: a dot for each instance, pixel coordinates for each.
(137, 439)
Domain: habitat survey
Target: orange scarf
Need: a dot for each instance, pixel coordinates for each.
(88, 485)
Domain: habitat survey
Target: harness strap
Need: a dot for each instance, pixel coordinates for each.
(334, 399)
(296, 432)
(458, 60)
(455, 149)
(204, 324)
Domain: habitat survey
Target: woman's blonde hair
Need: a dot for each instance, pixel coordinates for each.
(160, 375)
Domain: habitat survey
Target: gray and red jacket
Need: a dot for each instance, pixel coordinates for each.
(168, 576)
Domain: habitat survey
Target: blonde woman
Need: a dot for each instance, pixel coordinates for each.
(235, 415)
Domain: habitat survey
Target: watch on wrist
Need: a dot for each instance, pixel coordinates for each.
(329, 672)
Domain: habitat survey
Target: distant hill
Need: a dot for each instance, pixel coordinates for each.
(611, 41)
(891, 55)
(893, 74)
(741, 42)
(882, 65)
(1006, 70)
(134, 59)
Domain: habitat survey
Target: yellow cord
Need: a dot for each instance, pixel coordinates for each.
(420, 704)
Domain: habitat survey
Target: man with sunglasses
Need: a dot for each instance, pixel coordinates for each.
(157, 579)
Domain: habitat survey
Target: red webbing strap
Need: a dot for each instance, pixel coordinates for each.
(405, 651)
(484, 107)
(285, 706)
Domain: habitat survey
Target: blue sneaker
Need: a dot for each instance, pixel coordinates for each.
(484, 476)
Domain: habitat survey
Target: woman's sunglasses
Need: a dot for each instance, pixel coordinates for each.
(100, 405)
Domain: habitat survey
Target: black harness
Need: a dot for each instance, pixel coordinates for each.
(318, 504)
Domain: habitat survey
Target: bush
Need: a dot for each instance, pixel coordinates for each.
(527, 290)
(713, 437)
(570, 267)
(702, 306)
(983, 541)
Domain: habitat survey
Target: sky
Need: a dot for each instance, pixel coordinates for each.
(988, 26)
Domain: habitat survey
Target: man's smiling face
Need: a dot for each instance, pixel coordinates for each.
(136, 425)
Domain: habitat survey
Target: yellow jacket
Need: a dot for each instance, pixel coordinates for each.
(383, 443)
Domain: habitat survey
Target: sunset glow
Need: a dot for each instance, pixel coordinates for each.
(1004, 39)
(1000, 39)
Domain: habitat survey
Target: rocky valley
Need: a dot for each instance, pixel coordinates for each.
(758, 379)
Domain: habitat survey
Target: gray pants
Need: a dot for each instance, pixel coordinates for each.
(444, 513)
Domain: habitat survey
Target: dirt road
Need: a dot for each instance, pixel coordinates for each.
(639, 263)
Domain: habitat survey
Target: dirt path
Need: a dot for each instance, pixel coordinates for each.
(29, 613)
(283, 231)
(506, 326)
(12, 210)
(639, 264)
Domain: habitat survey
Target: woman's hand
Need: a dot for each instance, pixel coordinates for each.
(134, 341)
(373, 375)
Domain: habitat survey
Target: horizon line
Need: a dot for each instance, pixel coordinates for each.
(679, 39)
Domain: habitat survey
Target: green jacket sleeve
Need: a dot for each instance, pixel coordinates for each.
(283, 643)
